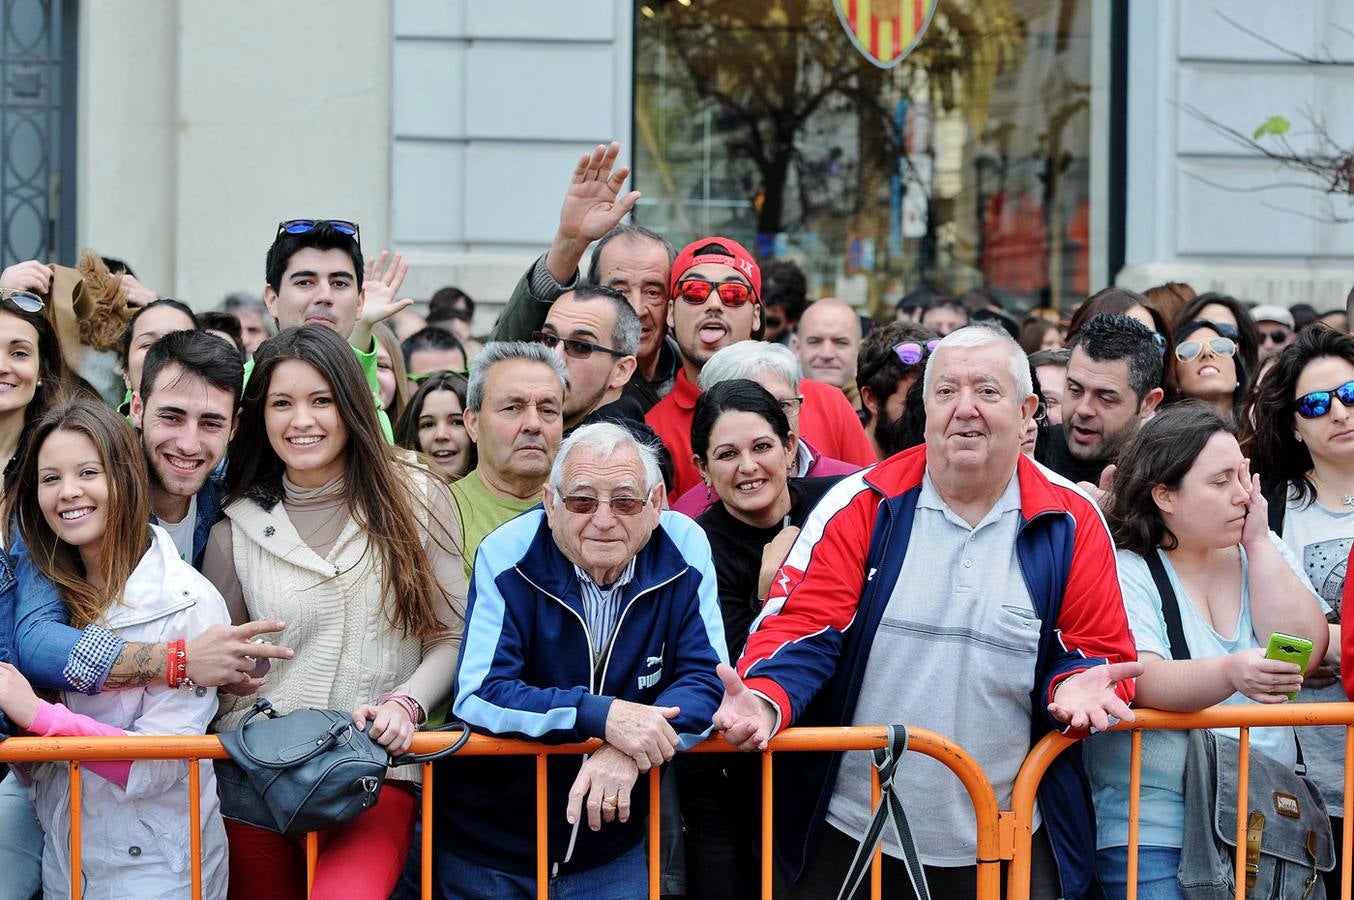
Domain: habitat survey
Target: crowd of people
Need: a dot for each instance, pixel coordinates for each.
(663, 499)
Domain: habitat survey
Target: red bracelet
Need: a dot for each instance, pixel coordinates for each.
(176, 664)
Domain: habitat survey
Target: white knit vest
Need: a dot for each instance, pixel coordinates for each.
(347, 653)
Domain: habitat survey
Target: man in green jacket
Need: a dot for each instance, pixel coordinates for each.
(316, 277)
(627, 258)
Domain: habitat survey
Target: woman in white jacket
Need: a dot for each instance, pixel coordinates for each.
(86, 525)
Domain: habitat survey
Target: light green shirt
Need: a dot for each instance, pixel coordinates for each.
(367, 360)
(481, 511)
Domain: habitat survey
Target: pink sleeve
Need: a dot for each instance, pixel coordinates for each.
(57, 720)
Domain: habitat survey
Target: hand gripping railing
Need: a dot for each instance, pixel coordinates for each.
(1019, 821)
(76, 750)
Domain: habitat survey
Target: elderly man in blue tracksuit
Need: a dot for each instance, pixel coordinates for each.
(595, 617)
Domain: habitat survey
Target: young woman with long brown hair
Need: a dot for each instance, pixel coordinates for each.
(349, 541)
(87, 530)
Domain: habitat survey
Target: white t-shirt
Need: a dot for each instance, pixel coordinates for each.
(182, 532)
(1320, 538)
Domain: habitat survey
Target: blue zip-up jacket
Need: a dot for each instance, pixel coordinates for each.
(809, 650)
(527, 670)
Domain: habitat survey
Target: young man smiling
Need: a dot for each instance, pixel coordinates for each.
(185, 412)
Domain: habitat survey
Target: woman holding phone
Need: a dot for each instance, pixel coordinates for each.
(1185, 504)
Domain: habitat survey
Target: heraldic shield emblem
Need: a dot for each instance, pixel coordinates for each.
(885, 31)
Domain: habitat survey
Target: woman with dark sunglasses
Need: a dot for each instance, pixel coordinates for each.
(1298, 431)
(1209, 367)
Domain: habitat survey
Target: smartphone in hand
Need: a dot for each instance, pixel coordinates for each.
(1289, 648)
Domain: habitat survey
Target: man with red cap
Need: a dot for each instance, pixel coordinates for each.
(715, 300)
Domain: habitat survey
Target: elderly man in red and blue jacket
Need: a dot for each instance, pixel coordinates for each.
(959, 587)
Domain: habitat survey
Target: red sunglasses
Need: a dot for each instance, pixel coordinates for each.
(731, 293)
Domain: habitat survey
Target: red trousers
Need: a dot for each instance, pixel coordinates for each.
(361, 859)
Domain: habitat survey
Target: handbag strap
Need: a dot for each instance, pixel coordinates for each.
(889, 811)
(412, 759)
(331, 736)
(1170, 606)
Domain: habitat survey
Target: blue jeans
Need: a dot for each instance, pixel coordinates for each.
(1156, 872)
(624, 878)
(21, 849)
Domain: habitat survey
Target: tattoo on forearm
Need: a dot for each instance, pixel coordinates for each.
(137, 666)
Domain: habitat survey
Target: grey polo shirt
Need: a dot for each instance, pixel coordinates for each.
(955, 653)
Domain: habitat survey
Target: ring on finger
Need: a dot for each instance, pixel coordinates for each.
(611, 801)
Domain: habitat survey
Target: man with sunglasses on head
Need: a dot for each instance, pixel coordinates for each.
(315, 276)
(1113, 385)
(891, 361)
(594, 617)
(715, 292)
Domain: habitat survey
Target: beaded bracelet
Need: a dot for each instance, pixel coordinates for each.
(407, 703)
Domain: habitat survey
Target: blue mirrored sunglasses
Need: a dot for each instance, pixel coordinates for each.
(301, 226)
(1318, 403)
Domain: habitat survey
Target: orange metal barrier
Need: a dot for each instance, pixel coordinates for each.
(989, 850)
(1021, 816)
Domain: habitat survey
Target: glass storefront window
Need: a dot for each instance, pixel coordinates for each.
(966, 165)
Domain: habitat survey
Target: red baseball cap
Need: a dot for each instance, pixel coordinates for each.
(717, 250)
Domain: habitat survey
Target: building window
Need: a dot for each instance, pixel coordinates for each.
(966, 165)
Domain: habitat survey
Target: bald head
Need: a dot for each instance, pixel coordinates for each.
(827, 341)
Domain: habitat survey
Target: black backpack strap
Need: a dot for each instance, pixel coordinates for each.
(1170, 606)
(889, 812)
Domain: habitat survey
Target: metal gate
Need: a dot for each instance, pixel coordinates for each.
(37, 130)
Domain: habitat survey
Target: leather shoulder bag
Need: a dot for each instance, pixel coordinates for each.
(307, 770)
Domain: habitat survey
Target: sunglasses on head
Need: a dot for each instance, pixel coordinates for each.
(731, 293)
(621, 506)
(301, 226)
(1188, 350)
(1318, 403)
(572, 347)
(25, 300)
(911, 352)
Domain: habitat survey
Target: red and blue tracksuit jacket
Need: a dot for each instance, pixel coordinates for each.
(808, 650)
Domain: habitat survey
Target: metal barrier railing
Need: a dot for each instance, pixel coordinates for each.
(989, 839)
(1019, 820)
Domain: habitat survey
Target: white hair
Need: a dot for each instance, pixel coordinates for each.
(604, 439)
(984, 336)
(746, 358)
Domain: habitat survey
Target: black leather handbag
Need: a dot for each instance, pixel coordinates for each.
(307, 770)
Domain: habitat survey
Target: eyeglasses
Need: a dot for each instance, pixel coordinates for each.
(419, 379)
(731, 293)
(791, 405)
(1188, 350)
(1274, 337)
(28, 302)
(301, 226)
(910, 352)
(1318, 403)
(621, 506)
(575, 348)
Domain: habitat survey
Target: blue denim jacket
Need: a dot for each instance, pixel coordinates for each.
(48, 651)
